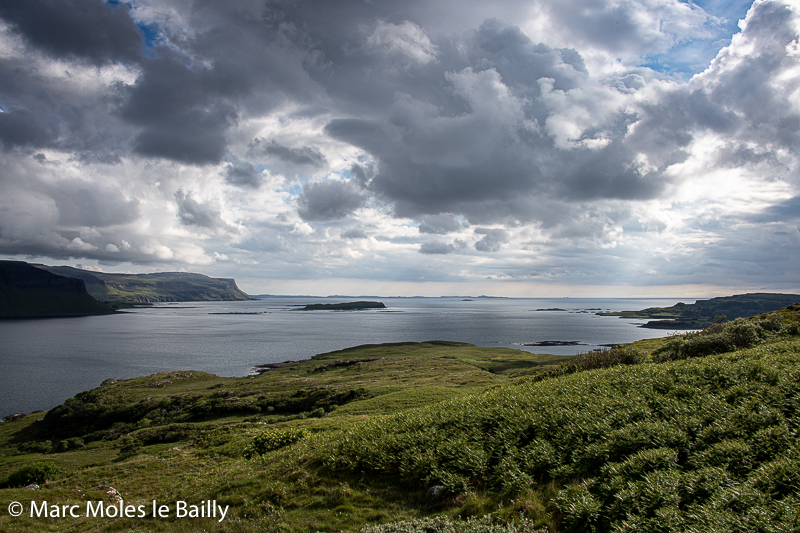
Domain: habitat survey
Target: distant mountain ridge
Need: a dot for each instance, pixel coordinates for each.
(30, 292)
(125, 290)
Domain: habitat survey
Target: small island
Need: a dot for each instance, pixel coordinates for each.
(348, 306)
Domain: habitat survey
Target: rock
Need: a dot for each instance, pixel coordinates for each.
(436, 490)
(32, 486)
(113, 493)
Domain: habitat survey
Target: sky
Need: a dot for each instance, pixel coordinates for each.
(580, 148)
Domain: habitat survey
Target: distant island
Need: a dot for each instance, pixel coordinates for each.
(349, 306)
(703, 313)
(29, 292)
(127, 290)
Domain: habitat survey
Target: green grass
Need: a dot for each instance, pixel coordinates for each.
(509, 441)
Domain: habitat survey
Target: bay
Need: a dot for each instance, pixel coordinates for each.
(46, 361)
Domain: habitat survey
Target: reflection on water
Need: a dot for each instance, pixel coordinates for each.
(46, 361)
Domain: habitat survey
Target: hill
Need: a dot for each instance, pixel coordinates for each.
(689, 433)
(28, 292)
(124, 290)
(702, 313)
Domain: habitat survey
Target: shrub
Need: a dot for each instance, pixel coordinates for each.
(619, 355)
(36, 447)
(128, 447)
(273, 440)
(720, 338)
(35, 473)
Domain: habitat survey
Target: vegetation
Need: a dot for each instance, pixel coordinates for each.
(35, 473)
(125, 290)
(348, 306)
(702, 313)
(662, 435)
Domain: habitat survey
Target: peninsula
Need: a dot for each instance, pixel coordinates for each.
(126, 290)
(703, 313)
(29, 292)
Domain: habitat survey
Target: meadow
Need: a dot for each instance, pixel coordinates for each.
(694, 432)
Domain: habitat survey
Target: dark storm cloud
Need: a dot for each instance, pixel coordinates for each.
(89, 30)
(47, 108)
(305, 155)
(23, 128)
(186, 100)
(330, 200)
(182, 115)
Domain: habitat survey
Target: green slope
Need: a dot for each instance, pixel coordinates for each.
(128, 289)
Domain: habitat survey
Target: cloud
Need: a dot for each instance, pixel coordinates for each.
(330, 200)
(305, 155)
(23, 128)
(354, 233)
(88, 30)
(492, 239)
(193, 213)
(439, 224)
(243, 174)
(588, 141)
(441, 248)
(405, 43)
(84, 203)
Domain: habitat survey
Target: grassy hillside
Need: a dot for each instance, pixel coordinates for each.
(679, 434)
(121, 290)
(702, 313)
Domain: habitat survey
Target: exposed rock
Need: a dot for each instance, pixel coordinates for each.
(436, 490)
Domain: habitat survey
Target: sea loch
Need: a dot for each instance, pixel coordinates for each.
(46, 361)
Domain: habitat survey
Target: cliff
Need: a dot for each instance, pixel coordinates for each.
(124, 290)
(29, 292)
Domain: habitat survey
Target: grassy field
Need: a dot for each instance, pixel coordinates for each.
(688, 433)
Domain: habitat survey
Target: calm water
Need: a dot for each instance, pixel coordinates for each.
(47, 361)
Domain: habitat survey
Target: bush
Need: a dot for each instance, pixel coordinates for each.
(35, 473)
(720, 338)
(128, 447)
(619, 355)
(273, 440)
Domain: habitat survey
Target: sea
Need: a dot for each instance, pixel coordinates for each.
(46, 361)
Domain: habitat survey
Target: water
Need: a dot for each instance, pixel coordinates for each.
(44, 362)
